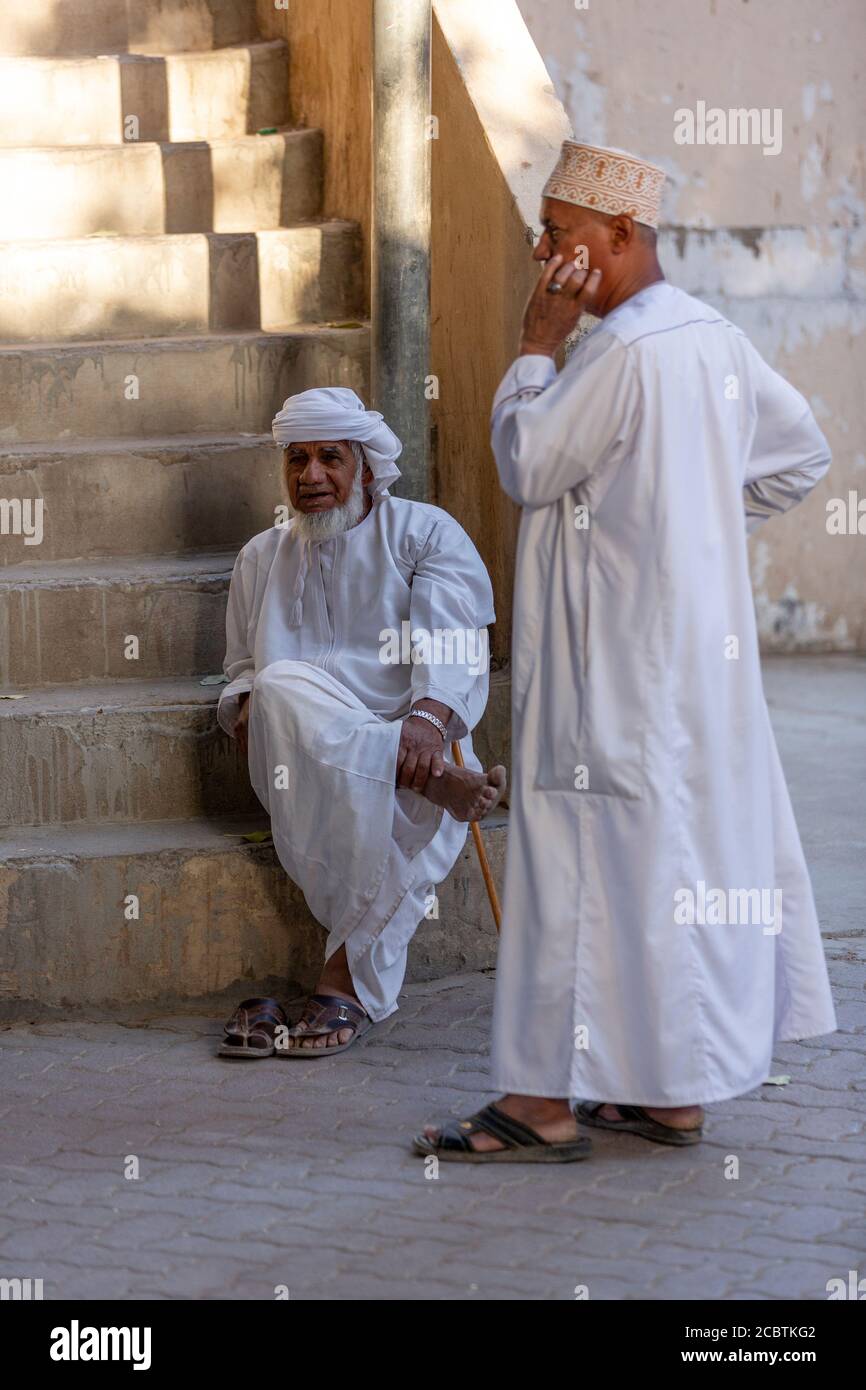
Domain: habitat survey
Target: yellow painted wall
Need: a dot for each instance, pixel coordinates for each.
(329, 88)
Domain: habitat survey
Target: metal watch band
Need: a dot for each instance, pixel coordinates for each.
(425, 714)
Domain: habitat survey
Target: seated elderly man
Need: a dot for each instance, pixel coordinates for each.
(356, 653)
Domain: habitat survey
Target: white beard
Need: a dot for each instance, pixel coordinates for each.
(323, 526)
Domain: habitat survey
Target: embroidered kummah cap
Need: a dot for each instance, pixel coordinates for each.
(607, 180)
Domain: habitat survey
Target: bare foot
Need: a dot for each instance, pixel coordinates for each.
(466, 795)
(680, 1117)
(551, 1119)
(335, 980)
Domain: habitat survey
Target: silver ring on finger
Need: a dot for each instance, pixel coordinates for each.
(555, 287)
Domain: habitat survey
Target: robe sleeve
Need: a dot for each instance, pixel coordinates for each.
(452, 595)
(789, 453)
(239, 664)
(551, 430)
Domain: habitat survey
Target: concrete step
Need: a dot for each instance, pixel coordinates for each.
(216, 383)
(112, 99)
(129, 751)
(48, 28)
(115, 497)
(214, 912)
(74, 622)
(131, 286)
(250, 183)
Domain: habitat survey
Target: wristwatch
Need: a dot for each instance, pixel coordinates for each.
(431, 718)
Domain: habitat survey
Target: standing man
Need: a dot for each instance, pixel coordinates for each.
(660, 934)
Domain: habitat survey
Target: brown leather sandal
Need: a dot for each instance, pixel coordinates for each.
(325, 1013)
(633, 1119)
(250, 1032)
(453, 1142)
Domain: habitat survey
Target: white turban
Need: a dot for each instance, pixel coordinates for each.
(335, 412)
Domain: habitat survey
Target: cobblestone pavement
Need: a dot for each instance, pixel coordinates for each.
(275, 1173)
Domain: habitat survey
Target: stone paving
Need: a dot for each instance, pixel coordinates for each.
(271, 1174)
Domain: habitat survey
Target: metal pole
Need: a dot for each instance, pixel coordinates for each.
(400, 289)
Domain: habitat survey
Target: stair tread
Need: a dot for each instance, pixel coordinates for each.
(151, 837)
(172, 239)
(124, 695)
(134, 569)
(201, 55)
(192, 341)
(168, 443)
(104, 840)
(112, 26)
(58, 151)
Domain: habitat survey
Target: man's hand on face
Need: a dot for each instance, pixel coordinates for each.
(549, 317)
(242, 722)
(420, 753)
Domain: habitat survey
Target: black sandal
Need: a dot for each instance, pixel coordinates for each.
(325, 1013)
(250, 1032)
(635, 1120)
(522, 1144)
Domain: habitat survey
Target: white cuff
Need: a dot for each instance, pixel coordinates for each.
(228, 707)
(532, 372)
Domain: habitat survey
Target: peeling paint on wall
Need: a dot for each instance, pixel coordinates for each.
(778, 246)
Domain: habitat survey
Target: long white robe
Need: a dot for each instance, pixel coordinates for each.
(644, 763)
(326, 716)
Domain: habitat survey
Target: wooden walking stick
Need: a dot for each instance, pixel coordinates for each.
(457, 754)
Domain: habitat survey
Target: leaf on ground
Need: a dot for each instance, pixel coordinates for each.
(11, 697)
(213, 680)
(777, 1080)
(255, 837)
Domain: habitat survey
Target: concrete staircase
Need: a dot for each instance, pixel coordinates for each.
(161, 295)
